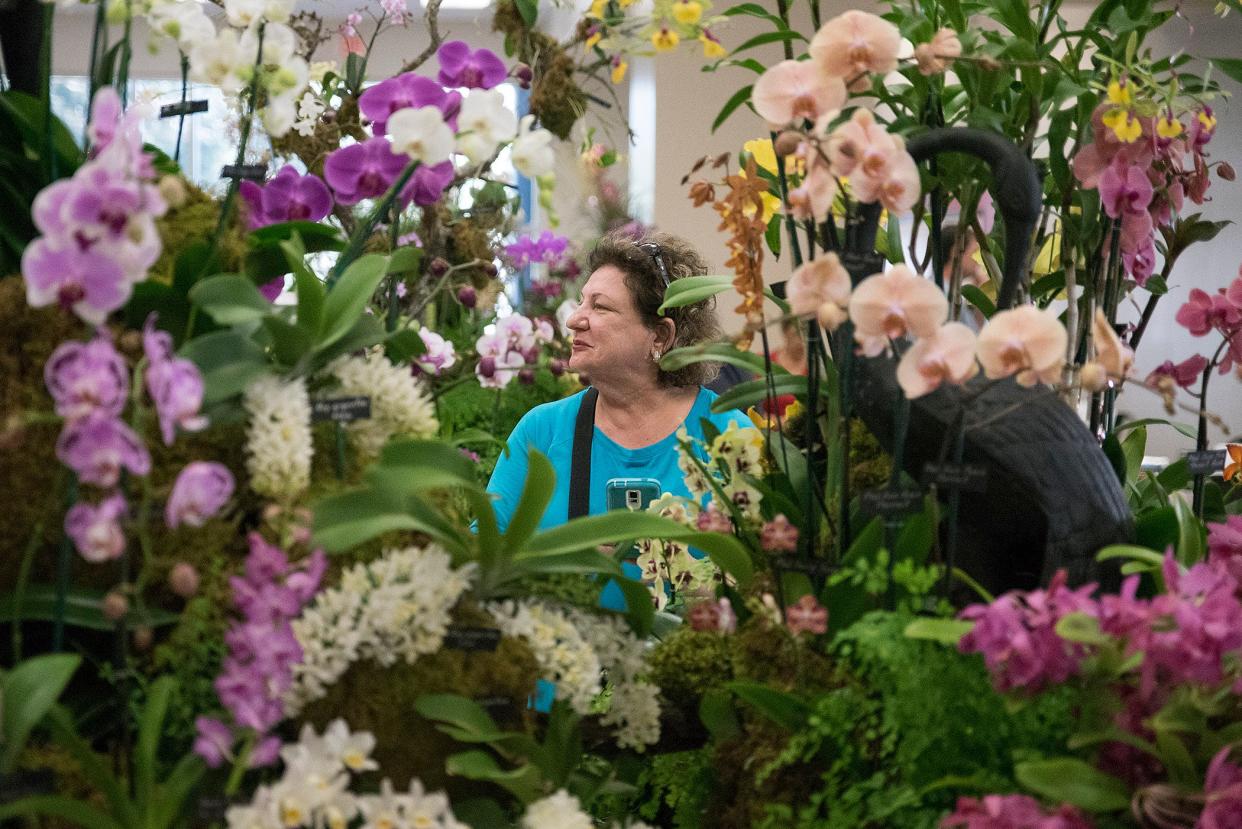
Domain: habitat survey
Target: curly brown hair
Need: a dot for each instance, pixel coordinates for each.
(695, 324)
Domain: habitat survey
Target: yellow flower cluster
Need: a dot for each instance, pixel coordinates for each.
(670, 23)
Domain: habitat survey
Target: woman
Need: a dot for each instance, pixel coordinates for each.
(618, 339)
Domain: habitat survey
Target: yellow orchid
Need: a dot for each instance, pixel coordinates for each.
(1124, 125)
(618, 70)
(712, 48)
(687, 12)
(1168, 127)
(1119, 94)
(597, 9)
(764, 153)
(1208, 120)
(665, 39)
(592, 41)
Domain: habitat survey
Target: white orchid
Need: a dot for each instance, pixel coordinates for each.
(421, 134)
(223, 62)
(532, 150)
(183, 21)
(483, 124)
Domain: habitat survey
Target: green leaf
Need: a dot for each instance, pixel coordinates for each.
(351, 518)
(1157, 529)
(1177, 760)
(349, 296)
(57, 806)
(91, 766)
(1073, 781)
(150, 728)
(691, 289)
(466, 720)
(367, 331)
(1132, 448)
(529, 9)
(979, 299)
(229, 361)
(230, 299)
(172, 795)
(784, 709)
(405, 260)
(736, 100)
(1188, 431)
(755, 10)
(717, 353)
(581, 562)
(522, 781)
(310, 290)
(747, 394)
(83, 608)
(944, 631)
(1230, 66)
(30, 689)
(782, 36)
(1130, 553)
(289, 342)
(536, 493)
(1081, 628)
(773, 236)
(1190, 531)
(717, 714)
(403, 345)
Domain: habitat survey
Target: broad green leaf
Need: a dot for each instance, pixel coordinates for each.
(230, 299)
(944, 631)
(786, 710)
(30, 689)
(405, 260)
(747, 394)
(979, 299)
(468, 721)
(92, 767)
(1188, 431)
(691, 289)
(366, 332)
(536, 493)
(403, 345)
(346, 520)
(522, 781)
(349, 296)
(172, 794)
(717, 714)
(1130, 553)
(290, 343)
(786, 35)
(1190, 531)
(83, 608)
(736, 100)
(1074, 781)
(529, 9)
(309, 289)
(1176, 760)
(229, 361)
(717, 353)
(1156, 529)
(582, 562)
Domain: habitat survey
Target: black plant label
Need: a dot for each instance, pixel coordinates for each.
(341, 409)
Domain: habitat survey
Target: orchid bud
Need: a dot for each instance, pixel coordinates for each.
(144, 637)
(524, 75)
(1225, 171)
(183, 579)
(787, 143)
(487, 366)
(438, 266)
(526, 377)
(466, 296)
(115, 606)
(557, 366)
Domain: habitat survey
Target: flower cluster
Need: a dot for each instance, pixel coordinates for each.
(278, 439)
(1223, 787)
(1012, 811)
(1018, 639)
(399, 406)
(263, 650)
(1221, 312)
(511, 350)
(634, 708)
(438, 355)
(257, 46)
(98, 228)
(561, 649)
(1138, 163)
(547, 248)
(315, 789)
(394, 608)
(617, 32)
(719, 470)
(667, 567)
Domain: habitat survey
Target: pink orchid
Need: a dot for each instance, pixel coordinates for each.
(806, 615)
(1124, 188)
(934, 58)
(812, 199)
(1223, 786)
(854, 43)
(778, 534)
(1023, 341)
(822, 280)
(1184, 374)
(893, 304)
(1203, 312)
(948, 356)
(712, 520)
(1012, 811)
(794, 90)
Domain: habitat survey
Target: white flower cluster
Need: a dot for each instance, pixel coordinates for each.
(396, 607)
(563, 811)
(739, 449)
(230, 57)
(635, 710)
(278, 442)
(564, 656)
(314, 790)
(398, 404)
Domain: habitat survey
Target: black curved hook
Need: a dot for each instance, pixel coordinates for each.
(1017, 194)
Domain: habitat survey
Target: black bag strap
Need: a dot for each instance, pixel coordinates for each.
(580, 464)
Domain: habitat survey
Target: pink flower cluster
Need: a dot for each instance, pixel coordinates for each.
(1221, 312)
(511, 350)
(547, 248)
(1145, 182)
(98, 227)
(262, 652)
(1017, 635)
(1012, 811)
(1223, 787)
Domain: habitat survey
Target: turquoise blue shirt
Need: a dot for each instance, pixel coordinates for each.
(550, 429)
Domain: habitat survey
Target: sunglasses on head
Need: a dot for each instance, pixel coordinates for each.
(657, 253)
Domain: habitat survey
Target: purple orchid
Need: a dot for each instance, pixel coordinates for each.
(474, 68)
(408, 90)
(1223, 787)
(174, 383)
(1013, 811)
(271, 290)
(1124, 188)
(364, 170)
(439, 353)
(97, 447)
(288, 197)
(428, 184)
(88, 283)
(201, 489)
(105, 118)
(547, 248)
(96, 529)
(87, 377)
(258, 669)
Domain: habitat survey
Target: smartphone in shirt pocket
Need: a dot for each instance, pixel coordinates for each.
(632, 494)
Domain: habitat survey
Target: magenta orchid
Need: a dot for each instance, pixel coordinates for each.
(288, 197)
(473, 68)
(98, 447)
(364, 170)
(202, 488)
(406, 91)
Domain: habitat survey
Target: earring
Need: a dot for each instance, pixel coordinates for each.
(656, 355)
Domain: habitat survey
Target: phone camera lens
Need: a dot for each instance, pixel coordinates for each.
(633, 499)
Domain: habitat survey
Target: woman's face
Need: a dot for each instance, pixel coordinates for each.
(609, 334)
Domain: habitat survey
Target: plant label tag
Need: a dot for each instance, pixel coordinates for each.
(968, 477)
(497, 704)
(254, 172)
(182, 108)
(892, 503)
(23, 783)
(471, 638)
(1206, 462)
(341, 409)
(809, 566)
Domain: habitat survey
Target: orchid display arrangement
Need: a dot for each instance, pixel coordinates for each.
(255, 421)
